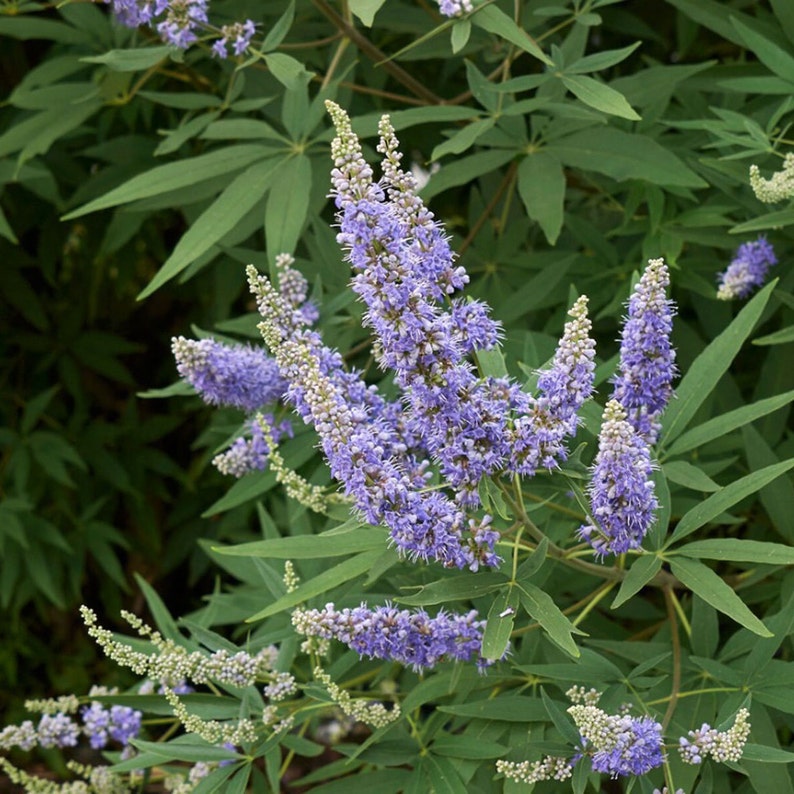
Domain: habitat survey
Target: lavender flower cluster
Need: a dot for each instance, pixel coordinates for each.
(178, 22)
(411, 638)
(100, 725)
(748, 270)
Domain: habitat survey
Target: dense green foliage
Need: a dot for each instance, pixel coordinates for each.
(137, 181)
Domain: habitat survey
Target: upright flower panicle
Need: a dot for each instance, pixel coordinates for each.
(621, 489)
(363, 447)
(539, 433)
(411, 638)
(619, 744)
(643, 385)
(748, 270)
(405, 273)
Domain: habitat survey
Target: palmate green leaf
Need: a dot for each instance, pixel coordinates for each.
(463, 746)
(184, 132)
(706, 370)
(455, 588)
(713, 590)
(194, 750)
(503, 708)
(365, 10)
(499, 625)
(285, 212)
(623, 155)
(442, 776)
(769, 220)
(290, 72)
(162, 617)
(244, 490)
(240, 196)
(738, 550)
(459, 36)
(465, 169)
(599, 96)
(642, 570)
(727, 422)
(332, 577)
(769, 755)
(312, 547)
(781, 337)
(382, 781)
(541, 607)
(29, 27)
(561, 721)
(770, 54)
(778, 496)
(173, 176)
(36, 134)
(6, 230)
(541, 185)
(601, 60)
(712, 14)
(133, 60)
(683, 473)
(494, 20)
(717, 503)
(463, 139)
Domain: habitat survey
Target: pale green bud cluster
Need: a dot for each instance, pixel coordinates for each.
(172, 662)
(296, 487)
(291, 579)
(580, 695)
(548, 768)
(65, 704)
(779, 187)
(370, 712)
(211, 731)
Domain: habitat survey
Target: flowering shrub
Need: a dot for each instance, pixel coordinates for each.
(509, 516)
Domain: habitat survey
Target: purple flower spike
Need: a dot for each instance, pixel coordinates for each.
(411, 638)
(564, 387)
(621, 490)
(748, 269)
(239, 376)
(362, 443)
(643, 385)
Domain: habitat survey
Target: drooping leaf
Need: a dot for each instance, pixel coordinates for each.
(713, 590)
(242, 194)
(623, 155)
(541, 185)
(706, 370)
(717, 503)
(599, 96)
